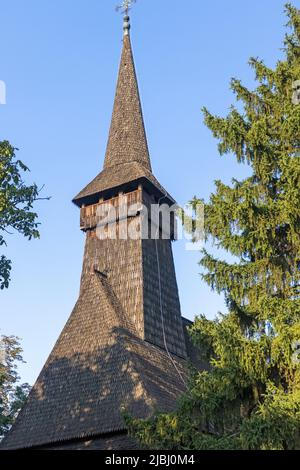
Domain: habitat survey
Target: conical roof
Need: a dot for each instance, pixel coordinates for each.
(127, 157)
(127, 140)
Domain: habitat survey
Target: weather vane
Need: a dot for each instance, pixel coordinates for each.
(125, 6)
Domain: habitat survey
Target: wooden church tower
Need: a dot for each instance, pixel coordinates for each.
(125, 344)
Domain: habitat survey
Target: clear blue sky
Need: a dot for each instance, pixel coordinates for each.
(59, 59)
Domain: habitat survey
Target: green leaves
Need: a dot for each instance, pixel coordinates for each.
(12, 395)
(5, 269)
(16, 204)
(276, 424)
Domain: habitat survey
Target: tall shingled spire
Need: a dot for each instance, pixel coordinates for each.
(127, 140)
(127, 157)
(125, 344)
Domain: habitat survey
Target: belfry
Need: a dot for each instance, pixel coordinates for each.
(125, 345)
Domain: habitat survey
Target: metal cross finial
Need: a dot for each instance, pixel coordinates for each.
(125, 6)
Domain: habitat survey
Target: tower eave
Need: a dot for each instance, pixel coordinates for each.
(121, 178)
(108, 193)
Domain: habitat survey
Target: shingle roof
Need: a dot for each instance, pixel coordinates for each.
(97, 365)
(127, 140)
(127, 157)
(117, 176)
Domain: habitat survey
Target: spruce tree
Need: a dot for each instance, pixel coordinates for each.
(249, 397)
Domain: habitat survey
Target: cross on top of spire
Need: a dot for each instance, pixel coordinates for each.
(125, 6)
